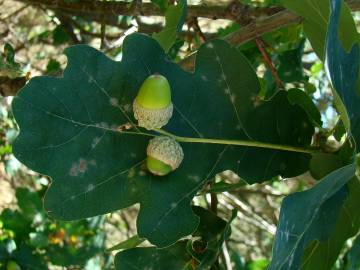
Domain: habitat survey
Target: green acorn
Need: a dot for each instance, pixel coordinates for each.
(164, 155)
(152, 106)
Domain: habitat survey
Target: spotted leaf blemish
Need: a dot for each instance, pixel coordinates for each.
(114, 102)
(81, 167)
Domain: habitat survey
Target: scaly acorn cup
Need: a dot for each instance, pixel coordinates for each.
(152, 106)
(164, 155)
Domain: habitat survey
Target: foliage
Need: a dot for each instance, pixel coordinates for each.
(260, 112)
(32, 240)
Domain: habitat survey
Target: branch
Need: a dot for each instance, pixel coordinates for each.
(112, 9)
(262, 48)
(94, 34)
(66, 24)
(262, 26)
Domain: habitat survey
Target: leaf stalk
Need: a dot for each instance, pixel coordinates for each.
(240, 143)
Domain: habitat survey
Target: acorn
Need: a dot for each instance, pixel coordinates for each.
(152, 106)
(164, 155)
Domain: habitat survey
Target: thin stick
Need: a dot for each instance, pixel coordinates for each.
(262, 48)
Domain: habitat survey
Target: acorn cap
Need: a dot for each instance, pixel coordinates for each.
(152, 118)
(166, 150)
(152, 106)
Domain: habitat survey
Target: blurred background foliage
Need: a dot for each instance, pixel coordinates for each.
(32, 39)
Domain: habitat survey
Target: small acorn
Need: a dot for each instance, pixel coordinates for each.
(164, 155)
(152, 106)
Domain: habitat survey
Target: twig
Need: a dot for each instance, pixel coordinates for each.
(89, 33)
(260, 26)
(253, 30)
(261, 46)
(66, 24)
(214, 203)
(103, 34)
(195, 25)
(112, 9)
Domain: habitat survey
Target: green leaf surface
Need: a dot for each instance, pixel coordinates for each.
(60, 35)
(308, 216)
(27, 259)
(8, 66)
(210, 225)
(80, 131)
(29, 203)
(222, 186)
(322, 164)
(316, 16)
(209, 256)
(212, 232)
(343, 70)
(131, 242)
(300, 98)
(321, 255)
(14, 221)
(353, 256)
(174, 17)
(173, 257)
(290, 67)
(260, 264)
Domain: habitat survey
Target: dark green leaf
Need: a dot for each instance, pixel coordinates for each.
(173, 257)
(213, 247)
(290, 68)
(13, 220)
(321, 255)
(53, 67)
(353, 256)
(60, 36)
(132, 242)
(343, 70)
(8, 66)
(308, 216)
(28, 259)
(29, 203)
(9, 53)
(309, 88)
(210, 225)
(300, 98)
(82, 117)
(316, 17)
(339, 130)
(322, 164)
(38, 240)
(175, 17)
